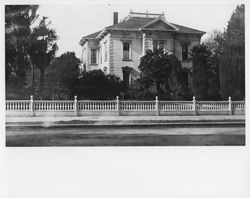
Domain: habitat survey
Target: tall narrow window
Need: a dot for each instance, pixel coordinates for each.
(161, 45)
(126, 51)
(155, 46)
(93, 56)
(184, 51)
(105, 52)
(100, 55)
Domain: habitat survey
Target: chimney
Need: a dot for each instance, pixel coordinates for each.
(115, 18)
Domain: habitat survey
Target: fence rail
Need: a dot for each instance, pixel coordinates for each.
(116, 107)
(176, 105)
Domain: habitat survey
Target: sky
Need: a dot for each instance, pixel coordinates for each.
(72, 22)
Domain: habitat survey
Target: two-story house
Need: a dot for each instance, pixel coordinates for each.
(117, 49)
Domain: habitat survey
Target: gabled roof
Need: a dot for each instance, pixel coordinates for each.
(143, 23)
(159, 24)
(90, 36)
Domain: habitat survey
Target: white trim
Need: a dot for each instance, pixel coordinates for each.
(156, 20)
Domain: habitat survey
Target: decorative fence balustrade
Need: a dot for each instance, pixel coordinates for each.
(176, 106)
(47, 105)
(116, 107)
(96, 105)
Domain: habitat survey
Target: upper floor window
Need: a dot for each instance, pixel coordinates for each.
(93, 56)
(105, 52)
(184, 51)
(158, 45)
(100, 55)
(126, 50)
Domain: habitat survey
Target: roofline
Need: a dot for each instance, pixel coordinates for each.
(84, 40)
(134, 30)
(151, 29)
(159, 19)
(102, 32)
(201, 32)
(143, 28)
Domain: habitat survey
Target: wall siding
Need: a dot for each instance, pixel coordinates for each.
(117, 61)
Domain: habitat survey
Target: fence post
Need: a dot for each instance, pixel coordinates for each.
(32, 106)
(230, 112)
(157, 106)
(118, 105)
(194, 106)
(75, 106)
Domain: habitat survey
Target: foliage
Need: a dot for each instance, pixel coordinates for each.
(215, 42)
(18, 21)
(200, 71)
(163, 75)
(98, 86)
(140, 89)
(60, 76)
(43, 46)
(205, 73)
(232, 60)
(26, 49)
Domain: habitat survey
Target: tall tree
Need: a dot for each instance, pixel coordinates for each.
(232, 60)
(200, 71)
(18, 21)
(60, 77)
(164, 72)
(214, 44)
(43, 46)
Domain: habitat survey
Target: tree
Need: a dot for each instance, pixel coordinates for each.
(43, 47)
(214, 44)
(164, 72)
(200, 71)
(60, 76)
(18, 21)
(232, 60)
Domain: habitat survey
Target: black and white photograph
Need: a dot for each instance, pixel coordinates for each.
(125, 75)
(124, 99)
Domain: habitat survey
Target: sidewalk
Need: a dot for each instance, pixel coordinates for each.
(124, 120)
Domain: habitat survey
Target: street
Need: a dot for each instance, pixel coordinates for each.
(126, 136)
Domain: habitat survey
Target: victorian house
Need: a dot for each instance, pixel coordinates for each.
(117, 49)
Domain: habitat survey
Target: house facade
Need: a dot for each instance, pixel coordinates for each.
(117, 49)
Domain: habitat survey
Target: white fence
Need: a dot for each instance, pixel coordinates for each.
(116, 107)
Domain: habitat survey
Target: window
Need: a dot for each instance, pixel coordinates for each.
(126, 51)
(84, 67)
(185, 51)
(158, 45)
(105, 52)
(155, 46)
(100, 55)
(93, 56)
(161, 46)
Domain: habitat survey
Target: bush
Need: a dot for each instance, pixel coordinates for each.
(95, 85)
